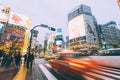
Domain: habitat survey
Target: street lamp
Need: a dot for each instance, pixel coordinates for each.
(32, 32)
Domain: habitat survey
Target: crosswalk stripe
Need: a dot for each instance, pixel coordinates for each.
(99, 76)
(109, 74)
(102, 72)
(114, 72)
(108, 68)
(87, 78)
(104, 75)
(47, 73)
(48, 65)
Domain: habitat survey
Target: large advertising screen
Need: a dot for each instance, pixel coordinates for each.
(58, 42)
(76, 27)
(19, 20)
(59, 33)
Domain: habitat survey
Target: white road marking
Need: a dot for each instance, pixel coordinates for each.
(116, 76)
(107, 68)
(111, 71)
(47, 73)
(48, 65)
(99, 76)
(87, 78)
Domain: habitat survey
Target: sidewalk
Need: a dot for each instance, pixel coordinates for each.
(29, 74)
(7, 73)
(21, 75)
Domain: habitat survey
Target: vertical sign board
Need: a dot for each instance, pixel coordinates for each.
(59, 33)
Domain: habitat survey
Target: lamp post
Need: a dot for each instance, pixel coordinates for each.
(32, 32)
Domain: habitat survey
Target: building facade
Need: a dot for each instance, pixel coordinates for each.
(51, 41)
(13, 32)
(59, 39)
(82, 27)
(109, 35)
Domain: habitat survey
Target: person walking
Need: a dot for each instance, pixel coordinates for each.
(4, 60)
(9, 60)
(30, 59)
(17, 57)
(25, 59)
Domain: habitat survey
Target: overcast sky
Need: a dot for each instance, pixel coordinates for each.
(54, 12)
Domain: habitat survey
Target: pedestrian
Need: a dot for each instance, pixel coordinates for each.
(4, 60)
(1, 56)
(25, 59)
(17, 57)
(1, 53)
(30, 59)
(9, 60)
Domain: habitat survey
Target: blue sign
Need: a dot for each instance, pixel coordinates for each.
(59, 31)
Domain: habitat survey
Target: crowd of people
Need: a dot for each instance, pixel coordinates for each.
(15, 59)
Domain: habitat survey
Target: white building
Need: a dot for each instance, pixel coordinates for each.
(81, 23)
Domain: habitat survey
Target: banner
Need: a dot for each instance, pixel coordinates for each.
(19, 20)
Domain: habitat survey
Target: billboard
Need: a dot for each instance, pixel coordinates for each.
(4, 12)
(59, 42)
(19, 20)
(59, 31)
(76, 27)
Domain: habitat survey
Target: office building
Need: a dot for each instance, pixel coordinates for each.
(82, 27)
(109, 35)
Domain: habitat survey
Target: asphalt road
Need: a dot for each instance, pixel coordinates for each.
(42, 70)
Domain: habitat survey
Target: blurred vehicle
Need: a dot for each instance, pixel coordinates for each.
(70, 54)
(50, 56)
(68, 63)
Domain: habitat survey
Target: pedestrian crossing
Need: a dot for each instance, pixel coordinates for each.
(47, 73)
(94, 73)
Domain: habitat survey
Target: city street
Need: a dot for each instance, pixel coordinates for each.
(7, 73)
(84, 70)
(60, 40)
(42, 70)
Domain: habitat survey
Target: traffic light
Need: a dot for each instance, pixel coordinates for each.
(51, 28)
(35, 33)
